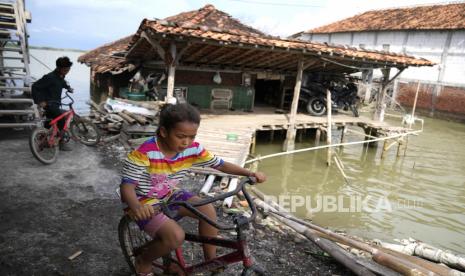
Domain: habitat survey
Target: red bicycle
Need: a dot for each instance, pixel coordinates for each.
(44, 140)
(133, 240)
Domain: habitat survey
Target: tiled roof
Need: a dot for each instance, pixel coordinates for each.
(435, 17)
(218, 39)
(227, 38)
(106, 58)
(210, 17)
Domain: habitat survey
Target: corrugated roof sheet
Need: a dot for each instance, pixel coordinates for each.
(434, 17)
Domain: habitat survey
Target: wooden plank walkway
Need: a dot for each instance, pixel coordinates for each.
(214, 129)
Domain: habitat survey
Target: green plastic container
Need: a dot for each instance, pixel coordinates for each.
(136, 96)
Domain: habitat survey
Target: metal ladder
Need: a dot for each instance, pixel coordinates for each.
(17, 108)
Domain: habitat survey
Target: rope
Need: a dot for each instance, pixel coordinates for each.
(46, 66)
(333, 145)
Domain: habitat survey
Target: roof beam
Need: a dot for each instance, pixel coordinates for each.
(204, 58)
(202, 49)
(231, 53)
(155, 44)
(252, 57)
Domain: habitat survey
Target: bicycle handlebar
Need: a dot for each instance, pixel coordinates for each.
(191, 205)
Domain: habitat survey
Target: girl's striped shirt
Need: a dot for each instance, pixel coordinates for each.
(156, 176)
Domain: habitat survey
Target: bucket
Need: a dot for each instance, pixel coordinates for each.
(136, 96)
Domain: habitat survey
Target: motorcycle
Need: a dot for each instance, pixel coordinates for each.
(343, 95)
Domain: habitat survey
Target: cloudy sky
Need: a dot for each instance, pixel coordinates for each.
(87, 24)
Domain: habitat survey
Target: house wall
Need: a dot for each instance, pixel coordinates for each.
(200, 85)
(446, 48)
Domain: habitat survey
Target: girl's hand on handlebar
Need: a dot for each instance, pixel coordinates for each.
(142, 212)
(261, 177)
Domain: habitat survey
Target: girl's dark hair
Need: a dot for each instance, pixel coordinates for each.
(171, 114)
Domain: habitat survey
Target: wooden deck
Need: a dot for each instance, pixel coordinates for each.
(214, 129)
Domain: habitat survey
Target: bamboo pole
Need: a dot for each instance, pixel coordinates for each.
(127, 118)
(328, 130)
(396, 263)
(140, 119)
(207, 185)
(414, 105)
(289, 143)
(317, 136)
(171, 72)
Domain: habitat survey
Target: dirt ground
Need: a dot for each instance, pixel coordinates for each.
(47, 213)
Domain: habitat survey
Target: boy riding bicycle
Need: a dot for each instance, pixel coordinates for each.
(46, 92)
(151, 174)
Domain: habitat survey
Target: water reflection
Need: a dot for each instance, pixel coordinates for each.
(419, 195)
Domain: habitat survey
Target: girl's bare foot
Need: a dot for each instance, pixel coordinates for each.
(142, 268)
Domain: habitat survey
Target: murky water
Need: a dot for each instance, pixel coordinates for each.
(421, 195)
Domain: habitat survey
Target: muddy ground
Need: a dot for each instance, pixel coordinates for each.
(47, 213)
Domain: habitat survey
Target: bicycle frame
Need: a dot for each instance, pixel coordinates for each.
(240, 254)
(54, 124)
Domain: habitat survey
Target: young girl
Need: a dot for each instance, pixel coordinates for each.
(151, 174)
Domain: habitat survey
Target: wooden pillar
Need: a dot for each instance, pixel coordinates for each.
(380, 109)
(329, 127)
(254, 142)
(343, 132)
(289, 143)
(301, 132)
(367, 79)
(111, 88)
(171, 72)
(317, 136)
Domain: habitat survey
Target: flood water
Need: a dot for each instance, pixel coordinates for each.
(421, 195)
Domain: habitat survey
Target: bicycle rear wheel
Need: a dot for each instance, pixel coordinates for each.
(132, 239)
(39, 145)
(85, 131)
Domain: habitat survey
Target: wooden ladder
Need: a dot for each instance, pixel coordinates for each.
(16, 106)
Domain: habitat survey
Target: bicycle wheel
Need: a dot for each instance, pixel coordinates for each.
(131, 238)
(85, 131)
(38, 143)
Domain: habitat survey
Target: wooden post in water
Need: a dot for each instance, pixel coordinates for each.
(171, 71)
(317, 136)
(329, 127)
(289, 143)
(254, 142)
(384, 149)
(414, 106)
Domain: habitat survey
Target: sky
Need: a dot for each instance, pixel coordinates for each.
(88, 24)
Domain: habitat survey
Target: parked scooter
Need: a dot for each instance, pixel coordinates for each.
(343, 95)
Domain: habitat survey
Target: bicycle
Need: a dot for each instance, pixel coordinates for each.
(44, 141)
(133, 240)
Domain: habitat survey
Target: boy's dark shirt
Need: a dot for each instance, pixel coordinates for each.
(48, 89)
